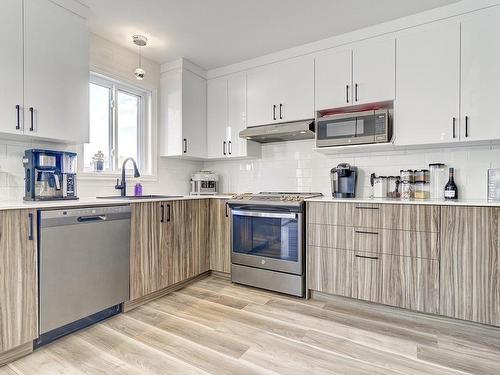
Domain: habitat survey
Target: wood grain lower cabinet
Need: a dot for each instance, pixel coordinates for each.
(169, 244)
(145, 250)
(410, 283)
(220, 236)
(367, 277)
(18, 278)
(330, 270)
(470, 271)
(414, 217)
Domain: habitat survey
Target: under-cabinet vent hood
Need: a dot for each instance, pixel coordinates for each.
(287, 131)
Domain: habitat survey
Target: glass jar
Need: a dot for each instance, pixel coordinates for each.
(393, 187)
(406, 190)
(438, 179)
(422, 176)
(379, 186)
(407, 175)
(422, 190)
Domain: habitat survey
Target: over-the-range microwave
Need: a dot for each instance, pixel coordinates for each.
(374, 126)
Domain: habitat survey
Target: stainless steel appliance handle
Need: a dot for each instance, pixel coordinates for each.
(86, 219)
(264, 214)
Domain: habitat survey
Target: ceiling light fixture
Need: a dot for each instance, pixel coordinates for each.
(140, 41)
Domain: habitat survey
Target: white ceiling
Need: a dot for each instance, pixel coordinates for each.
(214, 33)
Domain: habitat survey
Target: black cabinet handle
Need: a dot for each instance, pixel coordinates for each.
(224, 147)
(32, 119)
(366, 232)
(356, 92)
(366, 208)
(31, 235)
(18, 117)
(454, 126)
(168, 213)
(347, 93)
(366, 257)
(466, 126)
(162, 215)
(230, 148)
(281, 111)
(185, 142)
(274, 111)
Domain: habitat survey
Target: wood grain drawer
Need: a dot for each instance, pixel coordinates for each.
(330, 213)
(332, 236)
(410, 217)
(330, 270)
(366, 215)
(410, 243)
(410, 283)
(367, 277)
(366, 239)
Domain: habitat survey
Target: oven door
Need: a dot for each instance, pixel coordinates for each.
(269, 240)
(351, 128)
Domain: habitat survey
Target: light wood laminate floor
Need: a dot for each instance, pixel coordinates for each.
(215, 327)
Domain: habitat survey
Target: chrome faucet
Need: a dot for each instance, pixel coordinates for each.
(122, 186)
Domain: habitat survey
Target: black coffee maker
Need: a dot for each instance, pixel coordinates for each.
(344, 178)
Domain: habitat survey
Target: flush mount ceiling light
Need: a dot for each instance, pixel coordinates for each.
(140, 41)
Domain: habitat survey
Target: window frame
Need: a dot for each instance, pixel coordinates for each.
(146, 129)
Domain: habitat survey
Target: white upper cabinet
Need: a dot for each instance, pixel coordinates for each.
(183, 120)
(227, 117)
(374, 71)
(359, 74)
(481, 76)
(56, 73)
(11, 67)
(217, 117)
(333, 79)
(281, 92)
(44, 70)
(426, 109)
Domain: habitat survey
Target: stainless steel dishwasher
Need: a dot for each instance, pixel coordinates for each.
(83, 267)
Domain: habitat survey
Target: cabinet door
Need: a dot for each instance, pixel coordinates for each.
(374, 71)
(294, 93)
(426, 109)
(198, 235)
(261, 82)
(480, 76)
(220, 236)
(333, 79)
(194, 115)
(237, 118)
(330, 270)
(18, 275)
(469, 274)
(217, 117)
(11, 67)
(56, 72)
(411, 283)
(145, 251)
(367, 277)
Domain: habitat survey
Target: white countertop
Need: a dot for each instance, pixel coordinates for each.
(92, 201)
(435, 202)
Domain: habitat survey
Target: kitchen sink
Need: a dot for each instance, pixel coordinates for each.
(151, 196)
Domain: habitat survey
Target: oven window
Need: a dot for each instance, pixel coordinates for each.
(276, 238)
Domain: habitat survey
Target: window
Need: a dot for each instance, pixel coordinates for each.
(120, 125)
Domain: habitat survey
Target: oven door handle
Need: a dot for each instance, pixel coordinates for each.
(264, 214)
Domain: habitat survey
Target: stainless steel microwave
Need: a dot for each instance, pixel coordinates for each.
(373, 126)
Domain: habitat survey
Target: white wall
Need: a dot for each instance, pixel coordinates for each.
(118, 62)
(294, 166)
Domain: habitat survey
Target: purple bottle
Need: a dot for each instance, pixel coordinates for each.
(138, 190)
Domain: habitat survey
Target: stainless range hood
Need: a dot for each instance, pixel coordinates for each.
(287, 131)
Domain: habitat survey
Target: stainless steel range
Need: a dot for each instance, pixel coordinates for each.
(268, 240)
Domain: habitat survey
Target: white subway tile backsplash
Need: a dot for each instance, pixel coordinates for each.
(295, 166)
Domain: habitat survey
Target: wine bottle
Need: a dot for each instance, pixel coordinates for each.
(451, 190)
